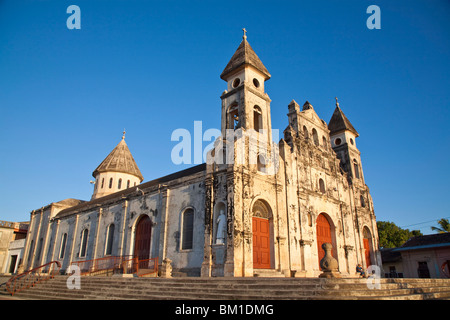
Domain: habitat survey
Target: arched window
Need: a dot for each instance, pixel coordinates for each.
(261, 163)
(305, 132)
(119, 185)
(188, 229)
(322, 185)
(109, 239)
(62, 250)
(39, 250)
(103, 182)
(257, 118)
(30, 253)
(363, 203)
(233, 116)
(110, 183)
(315, 137)
(356, 168)
(324, 142)
(128, 184)
(83, 245)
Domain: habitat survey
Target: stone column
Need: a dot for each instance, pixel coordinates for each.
(37, 243)
(74, 238)
(44, 250)
(97, 230)
(246, 232)
(121, 248)
(165, 194)
(229, 261)
(207, 259)
(55, 240)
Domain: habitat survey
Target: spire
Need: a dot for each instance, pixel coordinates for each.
(339, 122)
(119, 160)
(244, 56)
(307, 106)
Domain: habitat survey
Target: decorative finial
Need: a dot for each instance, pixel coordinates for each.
(245, 34)
(123, 137)
(337, 103)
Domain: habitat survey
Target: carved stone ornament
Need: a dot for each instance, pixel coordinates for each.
(329, 264)
(166, 268)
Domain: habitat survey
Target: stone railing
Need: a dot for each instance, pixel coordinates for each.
(7, 224)
(13, 225)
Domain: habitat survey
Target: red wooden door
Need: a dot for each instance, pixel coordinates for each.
(323, 230)
(261, 243)
(367, 252)
(143, 238)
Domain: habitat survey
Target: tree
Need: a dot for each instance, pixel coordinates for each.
(445, 226)
(392, 236)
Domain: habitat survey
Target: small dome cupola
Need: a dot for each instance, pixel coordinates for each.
(117, 172)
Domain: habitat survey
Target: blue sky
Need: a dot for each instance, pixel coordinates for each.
(153, 66)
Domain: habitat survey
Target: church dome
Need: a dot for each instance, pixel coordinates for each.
(117, 172)
(119, 160)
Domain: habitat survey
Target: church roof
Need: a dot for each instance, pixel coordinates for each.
(339, 122)
(119, 160)
(244, 55)
(123, 194)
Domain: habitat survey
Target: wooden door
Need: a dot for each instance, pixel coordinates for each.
(261, 243)
(323, 230)
(143, 238)
(367, 252)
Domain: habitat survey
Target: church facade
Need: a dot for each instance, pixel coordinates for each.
(256, 207)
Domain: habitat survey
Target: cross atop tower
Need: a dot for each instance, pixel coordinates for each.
(245, 33)
(123, 137)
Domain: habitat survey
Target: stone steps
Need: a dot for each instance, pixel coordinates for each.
(106, 288)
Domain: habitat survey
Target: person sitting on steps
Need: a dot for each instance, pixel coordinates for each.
(360, 270)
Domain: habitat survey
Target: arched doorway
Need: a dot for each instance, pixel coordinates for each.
(324, 235)
(261, 227)
(143, 238)
(367, 242)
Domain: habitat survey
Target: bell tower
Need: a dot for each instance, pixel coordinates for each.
(244, 103)
(343, 141)
(246, 130)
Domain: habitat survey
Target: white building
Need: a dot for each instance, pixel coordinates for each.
(280, 203)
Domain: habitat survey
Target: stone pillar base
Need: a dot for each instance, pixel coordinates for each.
(330, 274)
(166, 269)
